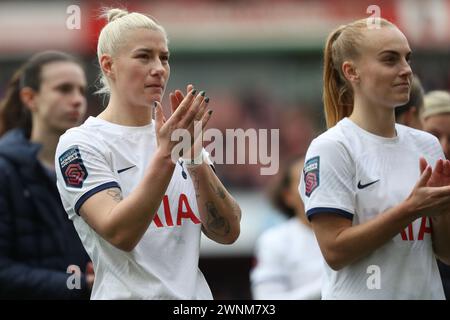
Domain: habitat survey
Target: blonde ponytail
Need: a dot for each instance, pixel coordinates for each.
(341, 45)
(112, 14)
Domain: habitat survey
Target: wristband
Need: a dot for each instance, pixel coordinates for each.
(189, 163)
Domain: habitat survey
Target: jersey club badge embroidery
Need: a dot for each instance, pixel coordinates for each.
(311, 175)
(72, 168)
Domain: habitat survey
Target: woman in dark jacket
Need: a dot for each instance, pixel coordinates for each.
(41, 255)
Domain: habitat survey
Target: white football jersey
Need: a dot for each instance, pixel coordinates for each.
(288, 263)
(164, 265)
(359, 175)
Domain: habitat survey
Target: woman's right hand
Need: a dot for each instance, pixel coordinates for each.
(427, 199)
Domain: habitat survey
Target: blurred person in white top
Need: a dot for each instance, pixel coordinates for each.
(139, 214)
(288, 261)
(437, 117)
(436, 120)
(380, 212)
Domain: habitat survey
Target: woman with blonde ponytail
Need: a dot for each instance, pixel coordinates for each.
(379, 211)
(138, 207)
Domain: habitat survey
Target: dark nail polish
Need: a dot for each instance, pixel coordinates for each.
(194, 92)
(202, 93)
(207, 99)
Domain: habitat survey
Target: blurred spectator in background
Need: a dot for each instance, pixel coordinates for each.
(436, 117)
(436, 120)
(255, 108)
(289, 263)
(38, 243)
(409, 113)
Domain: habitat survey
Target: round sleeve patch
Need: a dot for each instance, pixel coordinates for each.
(72, 168)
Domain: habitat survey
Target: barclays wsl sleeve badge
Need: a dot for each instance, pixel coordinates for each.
(311, 175)
(72, 168)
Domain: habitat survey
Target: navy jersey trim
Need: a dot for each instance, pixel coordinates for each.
(90, 193)
(314, 211)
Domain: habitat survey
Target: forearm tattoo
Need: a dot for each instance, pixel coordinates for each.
(236, 210)
(116, 194)
(214, 222)
(195, 181)
(219, 191)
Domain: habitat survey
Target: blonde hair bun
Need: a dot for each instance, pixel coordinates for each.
(112, 35)
(113, 14)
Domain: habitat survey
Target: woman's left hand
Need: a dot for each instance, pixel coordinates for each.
(201, 120)
(441, 173)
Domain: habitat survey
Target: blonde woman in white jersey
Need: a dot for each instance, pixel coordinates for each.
(379, 210)
(139, 214)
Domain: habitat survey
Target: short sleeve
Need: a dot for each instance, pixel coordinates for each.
(328, 179)
(82, 170)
